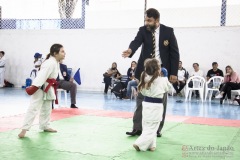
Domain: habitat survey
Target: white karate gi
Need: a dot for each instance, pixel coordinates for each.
(35, 70)
(2, 70)
(152, 112)
(40, 100)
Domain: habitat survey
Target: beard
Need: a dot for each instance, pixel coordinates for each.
(151, 27)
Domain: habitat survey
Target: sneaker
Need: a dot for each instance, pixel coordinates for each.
(218, 96)
(230, 101)
(126, 97)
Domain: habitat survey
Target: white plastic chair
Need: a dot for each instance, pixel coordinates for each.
(172, 90)
(59, 91)
(234, 93)
(216, 81)
(198, 84)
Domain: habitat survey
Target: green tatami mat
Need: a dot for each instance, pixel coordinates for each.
(103, 138)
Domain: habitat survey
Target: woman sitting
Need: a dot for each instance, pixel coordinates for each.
(231, 82)
(111, 76)
(131, 82)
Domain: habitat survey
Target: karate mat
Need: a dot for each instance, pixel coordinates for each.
(85, 134)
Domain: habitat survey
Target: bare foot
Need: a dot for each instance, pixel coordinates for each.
(50, 130)
(152, 149)
(22, 133)
(136, 147)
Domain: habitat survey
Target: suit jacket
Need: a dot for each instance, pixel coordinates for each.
(64, 71)
(168, 48)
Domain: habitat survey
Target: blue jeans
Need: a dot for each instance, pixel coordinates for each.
(129, 87)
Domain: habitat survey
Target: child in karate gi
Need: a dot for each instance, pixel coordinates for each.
(43, 91)
(152, 86)
(37, 63)
(2, 68)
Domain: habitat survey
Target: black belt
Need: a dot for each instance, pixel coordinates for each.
(2, 66)
(153, 100)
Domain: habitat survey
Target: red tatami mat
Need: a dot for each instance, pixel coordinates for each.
(13, 122)
(9, 123)
(213, 121)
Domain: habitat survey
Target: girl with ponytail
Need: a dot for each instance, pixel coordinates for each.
(43, 91)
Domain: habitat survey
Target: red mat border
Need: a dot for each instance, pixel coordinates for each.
(14, 122)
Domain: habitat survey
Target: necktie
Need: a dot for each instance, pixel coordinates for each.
(154, 44)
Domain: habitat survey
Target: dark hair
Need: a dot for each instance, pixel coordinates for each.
(55, 48)
(152, 68)
(133, 62)
(2, 52)
(214, 63)
(151, 12)
(196, 64)
(115, 64)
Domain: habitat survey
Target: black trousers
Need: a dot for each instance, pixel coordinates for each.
(227, 87)
(180, 85)
(108, 82)
(137, 117)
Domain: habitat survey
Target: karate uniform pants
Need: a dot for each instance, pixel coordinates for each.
(37, 103)
(151, 117)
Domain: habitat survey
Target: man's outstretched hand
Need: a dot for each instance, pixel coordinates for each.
(127, 53)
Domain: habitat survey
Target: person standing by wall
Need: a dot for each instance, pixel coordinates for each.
(2, 68)
(37, 63)
(158, 41)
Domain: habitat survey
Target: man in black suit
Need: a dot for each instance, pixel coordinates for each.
(66, 82)
(158, 41)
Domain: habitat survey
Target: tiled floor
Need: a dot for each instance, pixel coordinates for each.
(16, 101)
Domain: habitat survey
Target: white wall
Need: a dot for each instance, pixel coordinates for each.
(93, 50)
(176, 17)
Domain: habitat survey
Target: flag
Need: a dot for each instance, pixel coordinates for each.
(77, 77)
